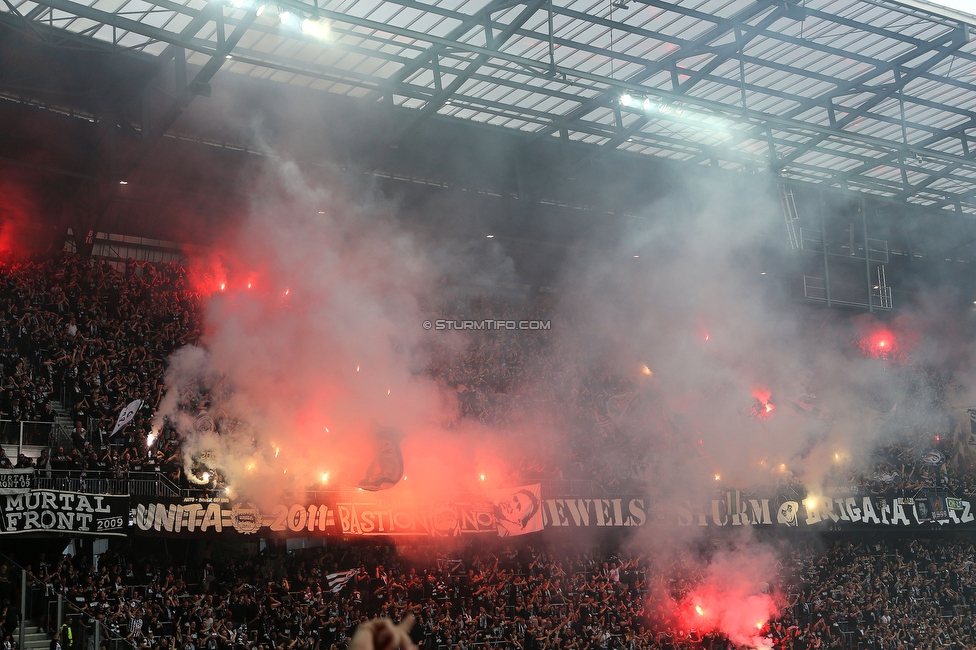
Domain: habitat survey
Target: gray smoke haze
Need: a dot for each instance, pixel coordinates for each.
(314, 344)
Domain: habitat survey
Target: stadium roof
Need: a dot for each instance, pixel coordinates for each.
(869, 95)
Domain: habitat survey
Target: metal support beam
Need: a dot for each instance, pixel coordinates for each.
(438, 100)
(939, 51)
(489, 33)
(187, 91)
(823, 245)
(435, 66)
(727, 51)
(717, 32)
(109, 178)
(867, 256)
(436, 49)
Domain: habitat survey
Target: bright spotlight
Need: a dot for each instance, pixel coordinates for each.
(238, 4)
(260, 10)
(647, 104)
(625, 99)
(284, 17)
(316, 29)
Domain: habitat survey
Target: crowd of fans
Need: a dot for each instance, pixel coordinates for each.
(94, 338)
(615, 427)
(90, 338)
(894, 595)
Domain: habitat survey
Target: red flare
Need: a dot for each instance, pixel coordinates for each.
(879, 342)
(763, 407)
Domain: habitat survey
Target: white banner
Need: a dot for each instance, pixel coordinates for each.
(127, 414)
(518, 510)
(15, 481)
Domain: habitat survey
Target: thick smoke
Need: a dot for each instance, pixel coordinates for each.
(314, 349)
(733, 385)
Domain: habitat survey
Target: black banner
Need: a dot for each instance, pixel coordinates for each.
(836, 512)
(362, 514)
(355, 514)
(63, 512)
(192, 517)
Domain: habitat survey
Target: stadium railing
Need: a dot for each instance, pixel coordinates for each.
(31, 434)
(143, 484)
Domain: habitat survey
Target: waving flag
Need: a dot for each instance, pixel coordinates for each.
(127, 414)
(338, 580)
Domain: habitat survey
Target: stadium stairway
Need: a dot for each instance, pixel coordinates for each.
(35, 638)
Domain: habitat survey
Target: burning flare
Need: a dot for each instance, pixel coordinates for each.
(763, 407)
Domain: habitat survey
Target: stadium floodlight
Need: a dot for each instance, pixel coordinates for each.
(260, 10)
(625, 99)
(647, 103)
(284, 16)
(316, 29)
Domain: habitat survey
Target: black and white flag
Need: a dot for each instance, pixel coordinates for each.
(127, 414)
(338, 580)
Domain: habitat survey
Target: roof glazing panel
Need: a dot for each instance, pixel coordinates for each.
(843, 89)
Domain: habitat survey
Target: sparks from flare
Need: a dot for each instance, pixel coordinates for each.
(646, 371)
(699, 610)
(763, 407)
